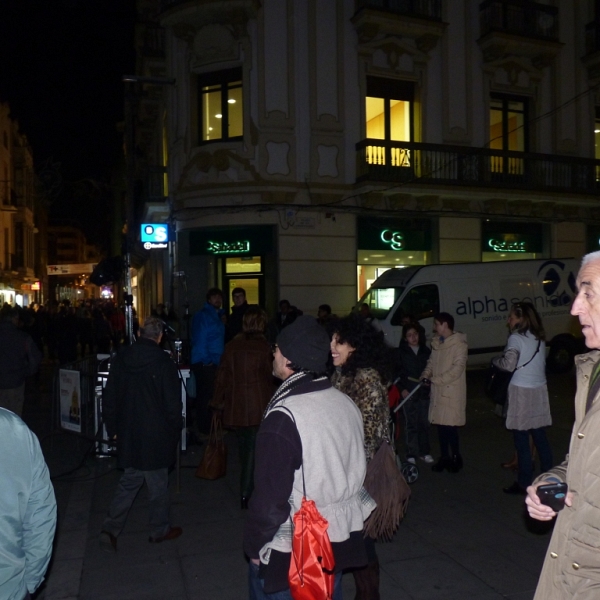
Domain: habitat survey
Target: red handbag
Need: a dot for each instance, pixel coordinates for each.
(311, 573)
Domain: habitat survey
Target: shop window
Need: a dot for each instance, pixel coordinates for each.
(508, 131)
(420, 302)
(389, 114)
(243, 264)
(221, 105)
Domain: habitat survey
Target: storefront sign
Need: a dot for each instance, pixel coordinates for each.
(155, 233)
(394, 238)
(393, 234)
(228, 247)
(35, 286)
(152, 245)
(511, 237)
(230, 241)
(505, 246)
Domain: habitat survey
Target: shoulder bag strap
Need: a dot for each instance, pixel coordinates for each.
(536, 351)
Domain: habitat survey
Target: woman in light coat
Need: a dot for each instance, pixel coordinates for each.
(446, 371)
(528, 405)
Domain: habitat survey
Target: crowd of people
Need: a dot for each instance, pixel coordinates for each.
(309, 401)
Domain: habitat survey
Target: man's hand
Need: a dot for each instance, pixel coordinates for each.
(540, 511)
(255, 561)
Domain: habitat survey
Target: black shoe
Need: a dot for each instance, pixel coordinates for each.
(514, 489)
(441, 464)
(108, 542)
(244, 503)
(456, 464)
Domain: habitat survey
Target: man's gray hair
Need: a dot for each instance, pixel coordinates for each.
(152, 328)
(590, 257)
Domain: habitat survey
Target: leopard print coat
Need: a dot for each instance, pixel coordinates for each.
(368, 392)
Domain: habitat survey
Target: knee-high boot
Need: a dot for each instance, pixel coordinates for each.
(367, 581)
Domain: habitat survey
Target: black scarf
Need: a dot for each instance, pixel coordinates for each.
(287, 388)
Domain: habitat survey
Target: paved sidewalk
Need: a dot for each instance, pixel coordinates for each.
(462, 537)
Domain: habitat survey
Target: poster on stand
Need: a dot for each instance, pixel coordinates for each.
(70, 400)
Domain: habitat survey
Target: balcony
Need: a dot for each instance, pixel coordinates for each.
(527, 19)
(440, 164)
(421, 9)
(524, 29)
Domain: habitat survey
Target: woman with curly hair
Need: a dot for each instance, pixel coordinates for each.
(362, 360)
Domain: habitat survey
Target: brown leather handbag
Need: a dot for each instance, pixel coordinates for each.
(214, 461)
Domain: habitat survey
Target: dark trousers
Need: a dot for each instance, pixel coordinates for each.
(448, 436)
(525, 473)
(205, 388)
(416, 415)
(128, 488)
(246, 438)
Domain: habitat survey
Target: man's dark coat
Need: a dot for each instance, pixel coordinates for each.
(141, 404)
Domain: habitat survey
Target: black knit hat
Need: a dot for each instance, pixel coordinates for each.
(305, 343)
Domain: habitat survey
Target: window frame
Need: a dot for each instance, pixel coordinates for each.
(388, 90)
(222, 78)
(505, 99)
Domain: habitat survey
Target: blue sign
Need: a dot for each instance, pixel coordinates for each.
(155, 233)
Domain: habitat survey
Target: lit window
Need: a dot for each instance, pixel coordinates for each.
(508, 131)
(221, 105)
(389, 117)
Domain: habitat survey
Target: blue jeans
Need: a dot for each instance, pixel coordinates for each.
(525, 473)
(256, 591)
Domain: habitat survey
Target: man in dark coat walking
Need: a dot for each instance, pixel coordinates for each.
(141, 407)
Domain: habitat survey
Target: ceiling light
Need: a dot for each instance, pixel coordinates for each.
(219, 116)
(410, 257)
(377, 255)
(596, 130)
(366, 259)
(231, 101)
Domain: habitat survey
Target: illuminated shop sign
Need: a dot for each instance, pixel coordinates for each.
(507, 246)
(394, 238)
(228, 247)
(155, 235)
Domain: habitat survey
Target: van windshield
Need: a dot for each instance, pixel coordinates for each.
(380, 300)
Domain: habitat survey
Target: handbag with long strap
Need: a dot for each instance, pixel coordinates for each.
(498, 380)
(214, 460)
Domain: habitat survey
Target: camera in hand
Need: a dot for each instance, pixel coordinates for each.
(553, 495)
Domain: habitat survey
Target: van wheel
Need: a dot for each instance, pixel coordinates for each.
(560, 358)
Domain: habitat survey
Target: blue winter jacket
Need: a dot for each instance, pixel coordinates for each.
(208, 336)
(27, 510)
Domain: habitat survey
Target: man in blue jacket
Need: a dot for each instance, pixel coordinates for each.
(27, 510)
(208, 343)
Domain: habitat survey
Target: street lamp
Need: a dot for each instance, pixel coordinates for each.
(130, 213)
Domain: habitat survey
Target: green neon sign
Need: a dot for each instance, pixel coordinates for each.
(236, 247)
(394, 238)
(505, 246)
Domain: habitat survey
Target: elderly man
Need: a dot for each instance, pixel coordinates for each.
(572, 565)
(27, 510)
(311, 431)
(141, 407)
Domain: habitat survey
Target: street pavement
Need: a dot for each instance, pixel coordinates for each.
(462, 537)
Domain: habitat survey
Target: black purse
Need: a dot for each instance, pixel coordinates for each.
(498, 380)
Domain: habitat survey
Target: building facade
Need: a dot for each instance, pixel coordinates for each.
(22, 217)
(309, 145)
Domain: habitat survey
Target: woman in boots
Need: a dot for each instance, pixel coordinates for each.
(445, 371)
(528, 405)
(361, 360)
(244, 385)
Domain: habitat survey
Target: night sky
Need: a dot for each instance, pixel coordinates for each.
(61, 63)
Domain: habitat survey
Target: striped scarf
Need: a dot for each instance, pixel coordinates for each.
(286, 388)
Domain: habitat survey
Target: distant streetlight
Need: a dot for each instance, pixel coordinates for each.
(130, 155)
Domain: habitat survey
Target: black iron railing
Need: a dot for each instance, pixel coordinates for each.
(426, 9)
(411, 162)
(528, 19)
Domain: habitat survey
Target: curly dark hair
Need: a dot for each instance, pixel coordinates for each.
(370, 349)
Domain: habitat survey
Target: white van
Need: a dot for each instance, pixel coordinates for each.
(479, 297)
